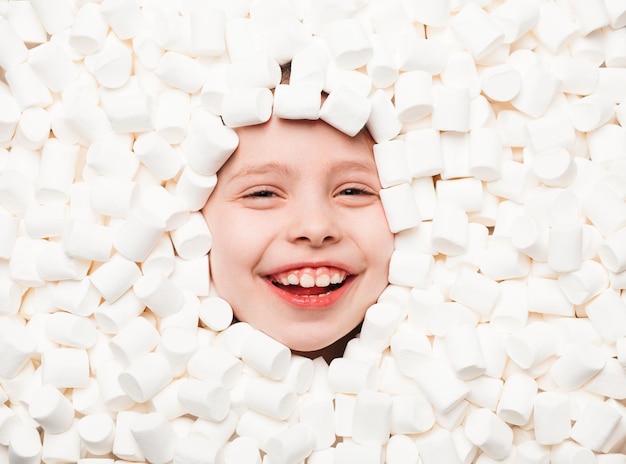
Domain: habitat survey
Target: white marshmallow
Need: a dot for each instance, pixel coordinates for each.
(159, 293)
(165, 206)
(424, 152)
(455, 151)
(532, 344)
(65, 367)
(383, 123)
(585, 283)
(346, 111)
(568, 451)
(576, 75)
(125, 446)
(243, 39)
(53, 66)
(485, 148)
(464, 351)
(451, 108)
(10, 423)
(351, 375)
(348, 43)
(192, 239)
(157, 155)
(416, 52)
(27, 89)
(450, 229)
(204, 399)
(595, 425)
(128, 108)
(391, 162)
(110, 390)
(589, 17)
(516, 180)
(207, 26)
(413, 95)
(256, 71)
(347, 452)
(14, 50)
(70, 330)
(607, 135)
(555, 167)
(76, 296)
(552, 417)
(63, 446)
(484, 391)
(173, 110)
(18, 346)
(554, 28)
(475, 29)
(617, 14)
(382, 68)
(177, 344)
(133, 341)
(154, 436)
(606, 313)
(537, 91)
(45, 221)
(208, 143)
(465, 193)
(88, 122)
(111, 317)
(268, 356)
(604, 208)
(591, 112)
(56, 171)
(516, 18)
(612, 252)
(407, 347)
(400, 207)
(565, 248)
(112, 196)
(246, 107)
(441, 387)
(89, 30)
(436, 445)
(112, 64)
(297, 101)
(84, 240)
(181, 71)
(123, 17)
(25, 445)
(274, 399)
(381, 320)
(194, 189)
(291, 445)
(216, 313)
(412, 269)
(138, 234)
(577, 366)
(372, 418)
(145, 377)
(115, 277)
(97, 432)
(51, 410)
(23, 262)
(9, 117)
(318, 415)
(487, 431)
(516, 402)
(258, 429)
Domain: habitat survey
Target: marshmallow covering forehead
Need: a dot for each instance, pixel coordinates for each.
(501, 149)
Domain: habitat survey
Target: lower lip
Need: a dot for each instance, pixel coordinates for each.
(313, 301)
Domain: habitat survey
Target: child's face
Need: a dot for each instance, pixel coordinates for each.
(301, 245)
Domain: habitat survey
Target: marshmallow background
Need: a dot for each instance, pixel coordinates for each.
(502, 334)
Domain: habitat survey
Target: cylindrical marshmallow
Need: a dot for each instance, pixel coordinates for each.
(192, 239)
(577, 366)
(33, 128)
(490, 433)
(157, 155)
(475, 291)
(204, 399)
(372, 418)
(216, 313)
(400, 207)
(455, 155)
(413, 95)
(45, 221)
(423, 148)
(475, 29)
(29, 91)
(485, 153)
(612, 251)
(111, 196)
(516, 402)
(532, 344)
(146, 377)
(111, 317)
(552, 419)
(246, 107)
(383, 123)
(154, 436)
(379, 324)
(318, 414)
(123, 17)
(297, 101)
(392, 163)
(595, 424)
(565, 248)
(165, 206)
(177, 344)
(173, 109)
(133, 341)
(14, 50)
(266, 355)
(138, 234)
(450, 229)
(555, 27)
(346, 111)
(515, 18)
(464, 351)
(51, 410)
(607, 314)
(65, 367)
(209, 363)
(274, 399)
(56, 171)
(194, 189)
(70, 330)
(208, 144)
(294, 444)
(25, 446)
(500, 83)
(85, 240)
(9, 117)
(591, 112)
(112, 64)
(243, 449)
(159, 293)
(412, 269)
(585, 283)
(352, 375)
(97, 432)
(181, 71)
(555, 167)
(89, 30)
(451, 108)
(537, 91)
(441, 387)
(348, 43)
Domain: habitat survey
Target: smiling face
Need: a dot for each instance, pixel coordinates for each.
(301, 245)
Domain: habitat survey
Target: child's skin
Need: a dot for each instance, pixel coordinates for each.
(296, 202)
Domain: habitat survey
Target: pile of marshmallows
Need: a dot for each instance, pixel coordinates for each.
(500, 131)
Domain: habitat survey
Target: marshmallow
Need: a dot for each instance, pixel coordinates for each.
(484, 391)
(568, 451)
(413, 95)
(9, 117)
(246, 107)
(88, 122)
(460, 72)
(138, 234)
(192, 275)
(154, 436)
(258, 428)
(111, 317)
(112, 64)
(554, 28)
(56, 171)
(243, 40)
(351, 375)
(382, 68)
(45, 221)
(400, 207)
(133, 341)
(510, 311)
(552, 417)
(532, 344)
(617, 15)
(181, 71)
(612, 253)
(145, 377)
(242, 450)
(170, 121)
(555, 167)
(14, 50)
(111, 196)
(29, 91)
(415, 52)
(204, 399)
(177, 344)
(319, 415)
(464, 351)
(115, 277)
(383, 123)
(22, 17)
(208, 143)
(297, 101)
(274, 399)
(52, 64)
(89, 30)
(372, 418)
(348, 43)
(450, 229)
(612, 134)
(157, 155)
(52, 411)
(380, 322)
(591, 112)
(207, 26)
(110, 390)
(589, 18)
(441, 387)
(165, 206)
(606, 313)
(424, 152)
(537, 91)
(25, 446)
(487, 431)
(125, 446)
(516, 402)
(128, 107)
(70, 330)
(348, 452)
(604, 208)
(216, 313)
(455, 151)
(451, 108)
(474, 28)
(412, 269)
(345, 110)
(595, 425)
(577, 366)
(609, 381)
(159, 294)
(268, 356)
(391, 162)
(65, 367)
(124, 18)
(294, 444)
(484, 151)
(410, 414)
(76, 296)
(516, 18)
(23, 262)
(194, 189)
(97, 432)
(63, 446)
(192, 239)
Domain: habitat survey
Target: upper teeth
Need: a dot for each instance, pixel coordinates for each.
(311, 277)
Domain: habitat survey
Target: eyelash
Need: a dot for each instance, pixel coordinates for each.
(350, 191)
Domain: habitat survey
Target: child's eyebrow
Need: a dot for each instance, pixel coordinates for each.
(282, 169)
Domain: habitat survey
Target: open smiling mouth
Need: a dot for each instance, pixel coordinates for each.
(309, 283)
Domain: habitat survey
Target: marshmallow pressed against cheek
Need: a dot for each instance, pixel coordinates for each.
(300, 244)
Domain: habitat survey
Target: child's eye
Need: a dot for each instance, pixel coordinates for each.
(353, 191)
(260, 194)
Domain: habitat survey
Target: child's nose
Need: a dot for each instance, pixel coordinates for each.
(315, 225)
